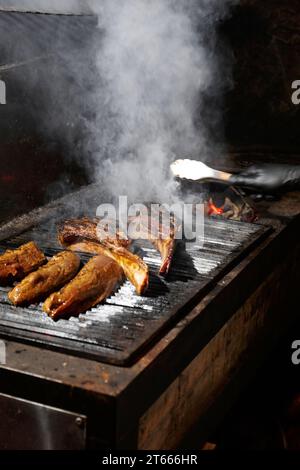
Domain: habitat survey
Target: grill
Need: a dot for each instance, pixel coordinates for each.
(117, 331)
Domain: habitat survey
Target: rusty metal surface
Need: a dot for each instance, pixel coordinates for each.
(25, 425)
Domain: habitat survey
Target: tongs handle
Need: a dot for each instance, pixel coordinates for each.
(220, 176)
(198, 171)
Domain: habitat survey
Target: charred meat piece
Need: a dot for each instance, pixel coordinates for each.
(160, 229)
(166, 247)
(134, 267)
(94, 230)
(37, 285)
(94, 283)
(16, 264)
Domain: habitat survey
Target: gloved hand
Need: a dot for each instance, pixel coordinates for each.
(269, 177)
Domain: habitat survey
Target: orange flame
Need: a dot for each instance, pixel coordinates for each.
(213, 209)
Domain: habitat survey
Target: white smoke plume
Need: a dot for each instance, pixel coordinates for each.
(157, 63)
(130, 97)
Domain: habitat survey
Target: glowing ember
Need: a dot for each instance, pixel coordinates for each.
(240, 209)
(213, 209)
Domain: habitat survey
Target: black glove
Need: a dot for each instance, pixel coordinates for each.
(269, 177)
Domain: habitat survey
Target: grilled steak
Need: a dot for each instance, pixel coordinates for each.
(160, 229)
(166, 247)
(16, 264)
(140, 227)
(76, 230)
(94, 283)
(134, 267)
(37, 285)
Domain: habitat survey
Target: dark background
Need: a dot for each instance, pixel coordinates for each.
(265, 39)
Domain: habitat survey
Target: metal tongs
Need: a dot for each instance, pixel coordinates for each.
(198, 171)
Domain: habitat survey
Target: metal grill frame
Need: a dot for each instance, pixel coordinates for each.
(129, 340)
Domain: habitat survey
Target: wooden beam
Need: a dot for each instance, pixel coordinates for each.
(196, 389)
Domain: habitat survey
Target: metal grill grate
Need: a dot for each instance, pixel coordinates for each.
(116, 331)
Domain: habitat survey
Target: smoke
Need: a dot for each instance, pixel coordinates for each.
(159, 73)
(126, 92)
